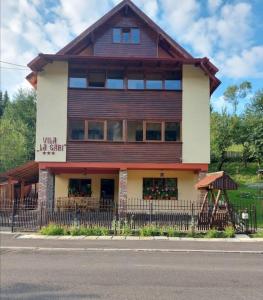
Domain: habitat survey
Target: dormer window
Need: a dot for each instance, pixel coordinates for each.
(126, 35)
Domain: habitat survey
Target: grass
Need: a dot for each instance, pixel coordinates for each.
(145, 231)
(259, 234)
(248, 192)
(53, 229)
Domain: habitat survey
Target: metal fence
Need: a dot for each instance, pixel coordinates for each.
(135, 213)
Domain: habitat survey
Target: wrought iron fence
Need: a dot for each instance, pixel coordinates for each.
(135, 213)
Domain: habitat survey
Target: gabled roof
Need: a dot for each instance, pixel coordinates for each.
(181, 56)
(124, 5)
(217, 180)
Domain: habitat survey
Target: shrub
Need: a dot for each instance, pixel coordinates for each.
(213, 233)
(150, 230)
(229, 232)
(53, 229)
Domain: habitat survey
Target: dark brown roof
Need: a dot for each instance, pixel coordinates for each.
(41, 60)
(138, 12)
(217, 180)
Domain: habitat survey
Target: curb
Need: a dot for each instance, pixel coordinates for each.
(138, 238)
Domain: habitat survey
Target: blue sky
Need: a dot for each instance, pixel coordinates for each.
(229, 32)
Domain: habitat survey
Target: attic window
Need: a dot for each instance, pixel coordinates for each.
(126, 35)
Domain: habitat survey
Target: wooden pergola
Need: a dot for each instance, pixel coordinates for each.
(21, 177)
(215, 201)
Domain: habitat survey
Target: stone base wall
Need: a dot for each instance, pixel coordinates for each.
(46, 189)
(123, 191)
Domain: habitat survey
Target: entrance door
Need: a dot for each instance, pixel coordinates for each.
(107, 192)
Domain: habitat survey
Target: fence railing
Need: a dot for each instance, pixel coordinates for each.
(88, 212)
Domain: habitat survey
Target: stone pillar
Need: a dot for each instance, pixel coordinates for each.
(123, 182)
(201, 193)
(46, 189)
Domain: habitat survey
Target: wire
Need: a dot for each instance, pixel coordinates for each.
(5, 62)
(25, 70)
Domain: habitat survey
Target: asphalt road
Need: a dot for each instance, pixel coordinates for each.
(130, 275)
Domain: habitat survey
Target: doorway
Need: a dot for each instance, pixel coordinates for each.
(107, 192)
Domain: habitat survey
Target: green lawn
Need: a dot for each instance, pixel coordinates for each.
(250, 187)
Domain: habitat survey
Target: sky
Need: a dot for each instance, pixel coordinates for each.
(228, 32)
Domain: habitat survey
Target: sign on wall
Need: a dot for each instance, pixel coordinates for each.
(50, 146)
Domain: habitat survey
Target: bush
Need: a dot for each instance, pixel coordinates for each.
(53, 229)
(149, 230)
(229, 232)
(213, 233)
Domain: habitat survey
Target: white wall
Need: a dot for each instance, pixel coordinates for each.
(52, 112)
(196, 116)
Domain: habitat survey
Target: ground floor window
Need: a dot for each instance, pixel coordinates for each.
(79, 188)
(160, 188)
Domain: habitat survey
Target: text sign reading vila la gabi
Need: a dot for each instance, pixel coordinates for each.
(50, 146)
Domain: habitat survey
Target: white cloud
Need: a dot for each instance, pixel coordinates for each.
(249, 63)
(219, 104)
(213, 5)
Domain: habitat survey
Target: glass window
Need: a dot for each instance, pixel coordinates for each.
(76, 130)
(135, 81)
(135, 35)
(79, 188)
(160, 188)
(116, 35)
(126, 32)
(172, 131)
(173, 81)
(154, 82)
(77, 82)
(153, 131)
(135, 131)
(115, 80)
(95, 130)
(96, 79)
(114, 130)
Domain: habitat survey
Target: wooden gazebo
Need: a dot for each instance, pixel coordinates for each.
(215, 204)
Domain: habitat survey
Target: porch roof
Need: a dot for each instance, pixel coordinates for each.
(27, 172)
(217, 180)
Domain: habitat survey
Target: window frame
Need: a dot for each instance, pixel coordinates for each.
(164, 183)
(122, 30)
(88, 179)
(124, 130)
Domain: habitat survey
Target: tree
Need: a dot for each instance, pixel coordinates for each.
(23, 108)
(4, 100)
(254, 123)
(12, 143)
(221, 136)
(234, 93)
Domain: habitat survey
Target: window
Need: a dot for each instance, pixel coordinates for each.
(96, 79)
(135, 35)
(114, 130)
(135, 131)
(172, 131)
(153, 131)
(135, 81)
(76, 130)
(95, 130)
(116, 35)
(79, 188)
(160, 188)
(77, 82)
(154, 81)
(126, 35)
(115, 80)
(173, 81)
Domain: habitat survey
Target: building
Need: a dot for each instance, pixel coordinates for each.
(122, 113)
